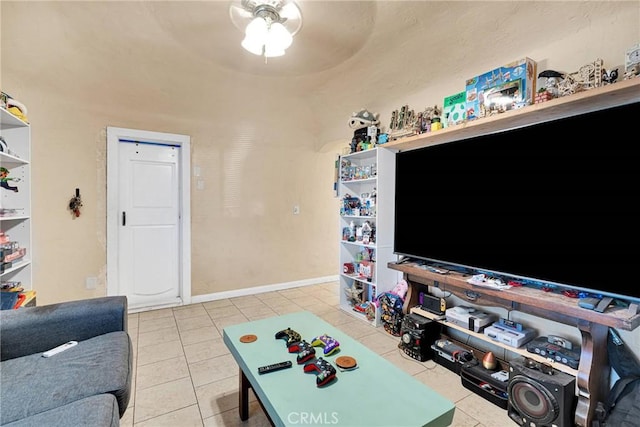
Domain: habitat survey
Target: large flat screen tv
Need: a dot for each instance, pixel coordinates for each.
(554, 204)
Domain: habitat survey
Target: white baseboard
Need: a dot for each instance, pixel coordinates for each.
(261, 289)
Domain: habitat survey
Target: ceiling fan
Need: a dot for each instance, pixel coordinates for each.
(285, 12)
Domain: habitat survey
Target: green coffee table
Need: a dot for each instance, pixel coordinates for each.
(377, 393)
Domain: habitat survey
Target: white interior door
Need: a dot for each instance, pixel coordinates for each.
(147, 261)
(148, 256)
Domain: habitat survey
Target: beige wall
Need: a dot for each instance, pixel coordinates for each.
(263, 143)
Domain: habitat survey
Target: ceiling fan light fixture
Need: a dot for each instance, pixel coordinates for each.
(270, 52)
(269, 25)
(252, 45)
(257, 29)
(278, 37)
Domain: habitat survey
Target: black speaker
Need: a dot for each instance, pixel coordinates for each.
(540, 396)
(417, 333)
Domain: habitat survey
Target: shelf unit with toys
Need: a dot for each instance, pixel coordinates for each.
(15, 204)
(366, 186)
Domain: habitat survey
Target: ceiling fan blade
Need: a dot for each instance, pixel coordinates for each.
(239, 12)
(290, 12)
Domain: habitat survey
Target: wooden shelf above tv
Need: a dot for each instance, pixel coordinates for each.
(620, 93)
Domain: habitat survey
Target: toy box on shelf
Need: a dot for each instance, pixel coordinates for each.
(505, 88)
(454, 109)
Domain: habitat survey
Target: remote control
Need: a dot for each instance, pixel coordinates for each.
(274, 367)
(59, 348)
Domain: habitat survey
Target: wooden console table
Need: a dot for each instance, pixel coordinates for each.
(592, 376)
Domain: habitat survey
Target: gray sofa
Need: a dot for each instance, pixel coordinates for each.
(86, 385)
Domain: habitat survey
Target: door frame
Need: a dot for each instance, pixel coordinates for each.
(114, 135)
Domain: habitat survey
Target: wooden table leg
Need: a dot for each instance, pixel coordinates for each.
(243, 395)
(243, 399)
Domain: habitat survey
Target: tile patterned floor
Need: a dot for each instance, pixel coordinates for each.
(184, 375)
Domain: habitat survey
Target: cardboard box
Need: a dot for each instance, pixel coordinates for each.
(502, 89)
(454, 109)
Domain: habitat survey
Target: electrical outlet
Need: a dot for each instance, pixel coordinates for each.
(296, 209)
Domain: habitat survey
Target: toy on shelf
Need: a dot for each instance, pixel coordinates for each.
(350, 172)
(4, 148)
(633, 72)
(406, 122)
(14, 106)
(354, 293)
(453, 109)
(362, 307)
(366, 131)
(429, 120)
(402, 123)
(589, 76)
(350, 207)
(363, 119)
(505, 88)
(364, 206)
(367, 233)
(4, 180)
(370, 310)
(550, 88)
(609, 76)
(365, 270)
(632, 62)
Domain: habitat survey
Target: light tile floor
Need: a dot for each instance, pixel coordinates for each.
(185, 376)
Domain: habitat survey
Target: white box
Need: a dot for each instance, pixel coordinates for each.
(469, 318)
(510, 336)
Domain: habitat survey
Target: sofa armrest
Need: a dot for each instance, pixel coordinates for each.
(32, 330)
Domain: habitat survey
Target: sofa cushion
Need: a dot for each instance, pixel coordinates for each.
(48, 326)
(95, 411)
(102, 364)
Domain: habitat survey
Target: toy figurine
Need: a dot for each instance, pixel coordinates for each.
(609, 76)
(589, 76)
(552, 80)
(365, 128)
(632, 72)
(429, 116)
(4, 180)
(363, 119)
(354, 295)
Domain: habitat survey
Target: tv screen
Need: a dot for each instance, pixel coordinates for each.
(552, 204)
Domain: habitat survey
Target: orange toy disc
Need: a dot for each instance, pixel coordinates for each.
(248, 338)
(346, 362)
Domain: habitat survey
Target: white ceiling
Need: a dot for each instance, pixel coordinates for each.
(156, 55)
